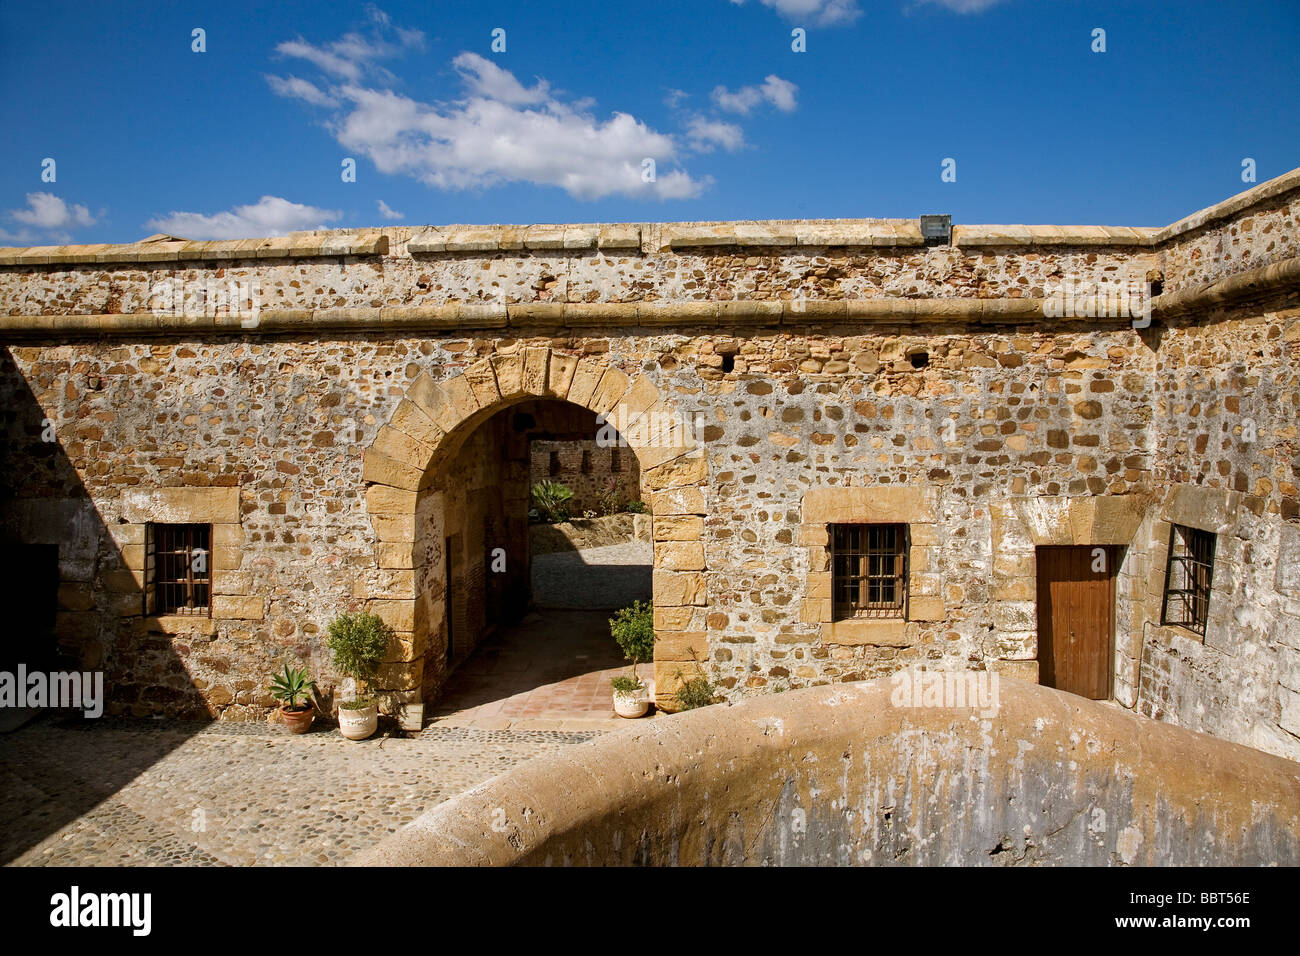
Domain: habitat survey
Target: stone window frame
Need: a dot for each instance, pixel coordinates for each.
(1211, 509)
(151, 581)
(874, 504)
(231, 595)
(1199, 626)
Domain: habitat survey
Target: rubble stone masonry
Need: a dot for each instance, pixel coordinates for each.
(341, 433)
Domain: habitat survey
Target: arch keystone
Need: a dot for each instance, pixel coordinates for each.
(536, 361)
(559, 374)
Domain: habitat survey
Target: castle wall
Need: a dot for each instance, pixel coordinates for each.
(334, 447)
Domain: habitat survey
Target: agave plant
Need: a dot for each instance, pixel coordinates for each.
(551, 499)
(291, 686)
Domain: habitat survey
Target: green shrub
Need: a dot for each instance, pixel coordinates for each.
(357, 642)
(292, 685)
(634, 630)
(624, 684)
(551, 500)
(635, 507)
(696, 692)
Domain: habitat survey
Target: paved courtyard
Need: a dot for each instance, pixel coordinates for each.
(552, 670)
(114, 792)
(139, 793)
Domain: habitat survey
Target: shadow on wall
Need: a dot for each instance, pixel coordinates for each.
(72, 607)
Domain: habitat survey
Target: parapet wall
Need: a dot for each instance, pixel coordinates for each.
(848, 776)
(482, 271)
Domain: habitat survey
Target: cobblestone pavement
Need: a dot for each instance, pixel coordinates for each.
(140, 793)
(610, 576)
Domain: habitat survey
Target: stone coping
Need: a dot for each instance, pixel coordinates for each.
(1246, 287)
(717, 785)
(164, 249)
(1232, 206)
(646, 237)
(1088, 236)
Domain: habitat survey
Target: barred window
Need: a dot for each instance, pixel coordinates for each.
(586, 463)
(178, 575)
(1188, 575)
(869, 570)
(615, 460)
(553, 464)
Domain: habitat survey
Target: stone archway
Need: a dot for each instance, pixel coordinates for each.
(428, 427)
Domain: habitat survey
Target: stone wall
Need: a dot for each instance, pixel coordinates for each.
(1228, 461)
(590, 469)
(811, 372)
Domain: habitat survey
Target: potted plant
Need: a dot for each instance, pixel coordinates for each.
(357, 642)
(293, 688)
(633, 629)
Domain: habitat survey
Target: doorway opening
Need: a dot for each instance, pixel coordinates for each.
(1076, 617)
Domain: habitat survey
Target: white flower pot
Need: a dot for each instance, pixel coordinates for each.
(632, 703)
(358, 724)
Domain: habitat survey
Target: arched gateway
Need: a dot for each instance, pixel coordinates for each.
(408, 509)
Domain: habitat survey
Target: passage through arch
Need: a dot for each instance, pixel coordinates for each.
(438, 425)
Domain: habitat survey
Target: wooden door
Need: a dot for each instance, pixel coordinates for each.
(29, 588)
(1076, 618)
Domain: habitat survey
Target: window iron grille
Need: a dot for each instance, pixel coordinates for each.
(869, 570)
(178, 563)
(1189, 574)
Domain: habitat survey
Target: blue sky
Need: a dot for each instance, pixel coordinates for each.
(247, 139)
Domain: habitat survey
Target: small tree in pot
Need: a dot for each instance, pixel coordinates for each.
(357, 642)
(633, 628)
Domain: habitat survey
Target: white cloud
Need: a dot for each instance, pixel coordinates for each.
(269, 216)
(388, 212)
(964, 6)
(776, 91)
(705, 134)
(47, 211)
(294, 88)
(498, 131)
(819, 12)
(354, 54)
(485, 79)
(674, 97)
(480, 142)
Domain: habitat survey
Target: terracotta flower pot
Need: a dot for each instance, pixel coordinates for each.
(298, 720)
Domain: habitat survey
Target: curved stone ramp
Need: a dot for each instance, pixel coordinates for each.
(839, 775)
